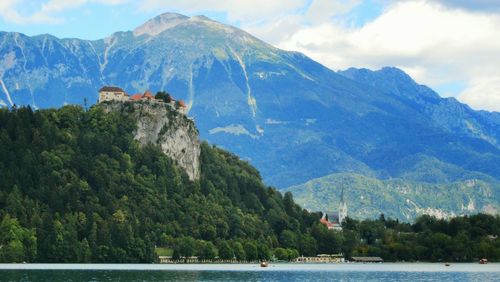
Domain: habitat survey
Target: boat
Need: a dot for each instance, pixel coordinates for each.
(446, 264)
(483, 261)
(264, 264)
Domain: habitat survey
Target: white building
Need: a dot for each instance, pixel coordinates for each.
(112, 93)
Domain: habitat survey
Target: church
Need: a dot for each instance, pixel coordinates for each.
(333, 220)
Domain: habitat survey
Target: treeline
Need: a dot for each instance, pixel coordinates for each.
(461, 239)
(76, 187)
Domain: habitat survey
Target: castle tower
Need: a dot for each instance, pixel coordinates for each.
(342, 207)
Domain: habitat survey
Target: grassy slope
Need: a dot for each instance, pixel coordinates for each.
(402, 199)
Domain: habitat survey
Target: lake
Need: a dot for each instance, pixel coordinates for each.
(250, 272)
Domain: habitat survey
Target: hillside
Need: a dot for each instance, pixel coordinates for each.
(291, 117)
(398, 198)
(78, 187)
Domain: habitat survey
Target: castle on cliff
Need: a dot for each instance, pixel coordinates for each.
(113, 93)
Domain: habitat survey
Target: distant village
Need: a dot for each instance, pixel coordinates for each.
(113, 93)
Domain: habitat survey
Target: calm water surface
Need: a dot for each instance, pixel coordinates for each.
(248, 272)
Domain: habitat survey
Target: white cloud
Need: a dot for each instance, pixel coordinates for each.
(484, 93)
(8, 11)
(323, 10)
(279, 28)
(46, 11)
(236, 10)
(434, 44)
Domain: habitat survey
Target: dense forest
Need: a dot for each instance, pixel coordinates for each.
(76, 187)
(465, 239)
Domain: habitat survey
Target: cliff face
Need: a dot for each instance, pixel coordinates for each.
(161, 124)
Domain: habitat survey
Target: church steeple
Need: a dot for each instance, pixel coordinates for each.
(342, 195)
(342, 207)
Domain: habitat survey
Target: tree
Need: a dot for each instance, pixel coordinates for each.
(185, 246)
(292, 254)
(250, 251)
(17, 244)
(207, 250)
(289, 204)
(239, 252)
(225, 251)
(308, 245)
(263, 252)
(164, 96)
(281, 253)
(85, 252)
(288, 239)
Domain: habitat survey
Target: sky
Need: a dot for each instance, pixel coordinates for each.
(452, 46)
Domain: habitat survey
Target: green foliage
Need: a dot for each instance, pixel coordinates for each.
(76, 187)
(160, 251)
(251, 251)
(164, 96)
(239, 252)
(281, 254)
(225, 250)
(467, 238)
(81, 189)
(17, 244)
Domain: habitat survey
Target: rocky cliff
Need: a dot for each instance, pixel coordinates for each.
(161, 124)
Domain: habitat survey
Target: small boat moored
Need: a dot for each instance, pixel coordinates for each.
(264, 264)
(483, 261)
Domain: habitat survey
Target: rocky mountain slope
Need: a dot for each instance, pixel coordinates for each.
(161, 124)
(291, 117)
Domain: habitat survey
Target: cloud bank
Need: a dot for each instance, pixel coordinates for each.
(435, 44)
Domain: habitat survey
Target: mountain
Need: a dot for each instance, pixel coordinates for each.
(291, 117)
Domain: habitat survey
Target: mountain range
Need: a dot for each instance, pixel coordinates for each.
(296, 120)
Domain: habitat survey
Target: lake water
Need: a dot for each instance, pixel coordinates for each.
(250, 272)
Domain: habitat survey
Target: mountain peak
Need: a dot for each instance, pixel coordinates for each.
(395, 72)
(392, 80)
(160, 23)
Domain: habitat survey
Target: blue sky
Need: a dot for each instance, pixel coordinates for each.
(451, 45)
(90, 21)
(98, 19)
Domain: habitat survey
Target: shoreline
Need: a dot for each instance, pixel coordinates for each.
(288, 267)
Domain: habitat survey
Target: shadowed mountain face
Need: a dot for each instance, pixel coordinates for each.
(288, 115)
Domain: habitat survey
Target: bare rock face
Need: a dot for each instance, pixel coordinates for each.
(161, 124)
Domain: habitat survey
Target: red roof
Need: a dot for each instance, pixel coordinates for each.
(148, 95)
(111, 89)
(136, 97)
(182, 104)
(327, 223)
